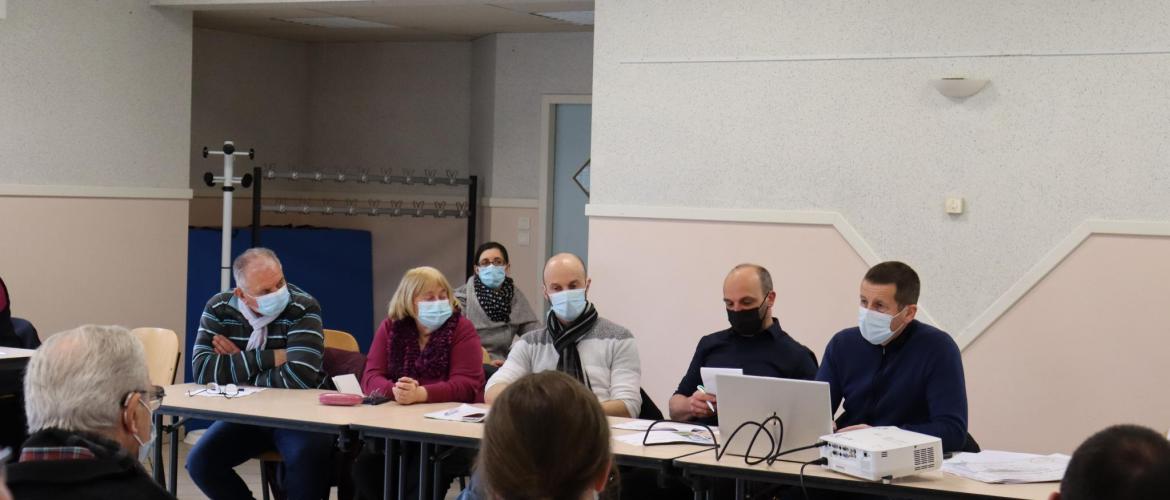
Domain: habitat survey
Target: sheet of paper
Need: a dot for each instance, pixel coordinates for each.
(461, 413)
(243, 392)
(636, 439)
(1007, 467)
(348, 384)
(643, 425)
(710, 373)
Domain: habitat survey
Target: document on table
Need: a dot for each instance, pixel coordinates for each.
(644, 425)
(242, 392)
(1007, 467)
(667, 437)
(348, 384)
(709, 374)
(461, 413)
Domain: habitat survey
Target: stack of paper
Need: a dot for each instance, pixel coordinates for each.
(665, 437)
(1007, 467)
(461, 413)
(644, 425)
(663, 432)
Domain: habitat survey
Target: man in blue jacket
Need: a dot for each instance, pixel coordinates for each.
(893, 370)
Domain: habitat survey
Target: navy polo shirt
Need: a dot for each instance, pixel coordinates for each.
(770, 353)
(915, 383)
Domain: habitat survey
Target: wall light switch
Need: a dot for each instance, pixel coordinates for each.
(523, 223)
(954, 206)
(524, 238)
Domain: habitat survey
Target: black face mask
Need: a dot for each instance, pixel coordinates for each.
(747, 322)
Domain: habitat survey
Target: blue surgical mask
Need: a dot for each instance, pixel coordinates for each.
(433, 314)
(273, 303)
(569, 304)
(875, 326)
(144, 448)
(491, 276)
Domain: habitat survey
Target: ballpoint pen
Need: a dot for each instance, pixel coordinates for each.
(709, 405)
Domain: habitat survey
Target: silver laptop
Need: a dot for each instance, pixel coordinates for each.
(803, 405)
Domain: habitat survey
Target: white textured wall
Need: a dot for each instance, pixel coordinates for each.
(94, 94)
(483, 101)
(396, 105)
(529, 65)
(1051, 142)
(252, 90)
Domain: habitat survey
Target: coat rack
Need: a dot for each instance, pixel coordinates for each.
(353, 207)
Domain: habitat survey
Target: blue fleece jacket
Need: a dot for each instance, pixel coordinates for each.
(915, 383)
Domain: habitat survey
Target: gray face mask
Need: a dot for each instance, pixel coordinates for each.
(144, 448)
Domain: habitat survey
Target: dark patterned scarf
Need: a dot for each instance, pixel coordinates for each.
(496, 303)
(405, 359)
(565, 339)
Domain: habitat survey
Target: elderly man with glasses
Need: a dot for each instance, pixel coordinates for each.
(89, 404)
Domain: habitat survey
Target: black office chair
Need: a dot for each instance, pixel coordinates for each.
(27, 333)
(970, 446)
(649, 410)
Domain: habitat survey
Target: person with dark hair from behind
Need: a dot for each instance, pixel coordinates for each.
(545, 438)
(893, 370)
(1123, 462)
(8, 336)
(493, 303)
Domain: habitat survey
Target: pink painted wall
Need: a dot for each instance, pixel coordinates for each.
(1085, 349)
(664, 281)
(72, 261)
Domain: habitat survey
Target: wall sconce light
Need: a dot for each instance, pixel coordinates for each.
(959, 87)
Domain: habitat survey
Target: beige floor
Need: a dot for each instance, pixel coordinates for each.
(249, 471)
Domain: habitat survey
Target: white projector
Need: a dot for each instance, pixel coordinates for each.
(880, 453)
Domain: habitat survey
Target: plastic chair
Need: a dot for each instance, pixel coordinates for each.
(338, 339)
(269, 460)
(162, 353)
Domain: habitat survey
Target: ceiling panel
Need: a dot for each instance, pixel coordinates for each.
(414, 21)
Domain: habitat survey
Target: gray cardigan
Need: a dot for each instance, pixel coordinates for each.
(497, 336)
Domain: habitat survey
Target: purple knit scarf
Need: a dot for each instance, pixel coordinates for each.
(405, 359)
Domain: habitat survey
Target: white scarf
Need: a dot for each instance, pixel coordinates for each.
(259, 324)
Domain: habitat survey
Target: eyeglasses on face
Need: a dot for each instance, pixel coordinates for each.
(151, 397)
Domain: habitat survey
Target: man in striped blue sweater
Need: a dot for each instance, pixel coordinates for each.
(266, 332)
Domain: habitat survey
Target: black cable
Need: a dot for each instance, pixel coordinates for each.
(819, 461)
(772, 459)
(646, 436)
(774, 444)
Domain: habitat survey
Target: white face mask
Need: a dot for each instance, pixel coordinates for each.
(875, 326)
(144, 448)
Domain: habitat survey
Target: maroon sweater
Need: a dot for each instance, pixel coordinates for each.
(463, 382)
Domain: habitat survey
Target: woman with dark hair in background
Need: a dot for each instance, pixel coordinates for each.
(492, 303)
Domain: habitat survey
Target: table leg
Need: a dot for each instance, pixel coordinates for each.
(437, 478)
(739, 489)
(402, 459)
(174, 486)
(424, 457)
(388, 469)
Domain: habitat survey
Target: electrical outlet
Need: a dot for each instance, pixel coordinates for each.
(954, 206)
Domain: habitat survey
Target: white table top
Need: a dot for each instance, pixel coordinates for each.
(15, 353)
(931, 481)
